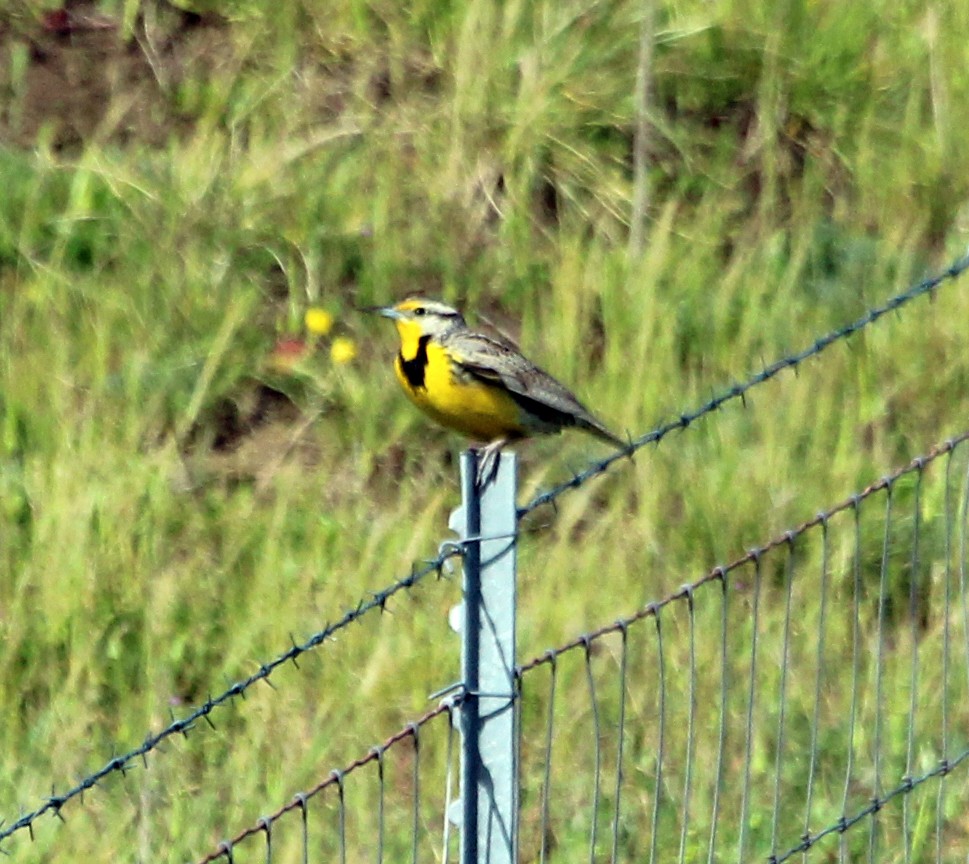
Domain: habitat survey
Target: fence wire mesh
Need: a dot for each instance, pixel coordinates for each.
(812, 692)
(376, 602)
(687, 739)
(812, 695)
(347, 811)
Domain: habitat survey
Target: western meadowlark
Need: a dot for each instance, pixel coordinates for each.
(478, 384)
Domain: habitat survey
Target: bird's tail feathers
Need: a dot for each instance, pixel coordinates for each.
(596, 428)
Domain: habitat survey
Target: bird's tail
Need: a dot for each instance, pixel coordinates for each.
(590, 424)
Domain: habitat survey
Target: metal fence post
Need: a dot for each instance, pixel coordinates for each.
(489, 759)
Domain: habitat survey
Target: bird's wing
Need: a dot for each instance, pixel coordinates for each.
(497, 362)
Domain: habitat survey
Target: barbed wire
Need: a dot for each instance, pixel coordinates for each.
(588, 726)
(740, 390)
(377, 601)
(621, 627)
(719, 573)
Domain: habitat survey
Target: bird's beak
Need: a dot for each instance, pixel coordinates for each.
(386, 311)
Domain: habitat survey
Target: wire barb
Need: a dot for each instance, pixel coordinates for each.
(182, 726)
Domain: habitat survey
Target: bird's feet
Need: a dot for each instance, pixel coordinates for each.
(488, 458)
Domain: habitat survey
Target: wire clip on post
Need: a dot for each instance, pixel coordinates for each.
(487, 812)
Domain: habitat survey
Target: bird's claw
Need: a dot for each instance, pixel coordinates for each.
(489, 459)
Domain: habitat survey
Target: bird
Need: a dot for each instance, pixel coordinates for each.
(480, 384)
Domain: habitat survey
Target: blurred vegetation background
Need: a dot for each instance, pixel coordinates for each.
(189, 474)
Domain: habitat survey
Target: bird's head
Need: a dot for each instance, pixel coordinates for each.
(416, 317)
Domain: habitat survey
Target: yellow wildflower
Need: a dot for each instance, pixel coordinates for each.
(343, 350)
(318, 321)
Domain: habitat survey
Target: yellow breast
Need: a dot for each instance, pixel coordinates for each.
(473, 408)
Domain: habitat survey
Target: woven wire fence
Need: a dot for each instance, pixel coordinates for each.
(810, 692)
(809, 696)
(391, 802)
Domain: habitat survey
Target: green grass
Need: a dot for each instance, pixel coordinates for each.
(807, 163)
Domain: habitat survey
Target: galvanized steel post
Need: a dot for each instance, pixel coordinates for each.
(489, 739)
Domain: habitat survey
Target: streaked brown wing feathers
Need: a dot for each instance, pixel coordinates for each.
(497, 362)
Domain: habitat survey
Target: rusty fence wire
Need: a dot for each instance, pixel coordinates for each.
(810, 697)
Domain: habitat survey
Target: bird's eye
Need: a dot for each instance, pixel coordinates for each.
(420, 310)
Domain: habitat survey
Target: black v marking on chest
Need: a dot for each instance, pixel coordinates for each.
(414, 368)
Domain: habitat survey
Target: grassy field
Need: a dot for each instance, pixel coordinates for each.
(178, 499)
